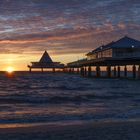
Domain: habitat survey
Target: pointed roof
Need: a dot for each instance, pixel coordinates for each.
(46, 58)
(125, 42)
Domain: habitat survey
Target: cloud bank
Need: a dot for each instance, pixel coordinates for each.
(65, 27)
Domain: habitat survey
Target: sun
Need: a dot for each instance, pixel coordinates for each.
(10, 69)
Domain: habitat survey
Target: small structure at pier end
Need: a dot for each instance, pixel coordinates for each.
(45, 63)
(115, 55)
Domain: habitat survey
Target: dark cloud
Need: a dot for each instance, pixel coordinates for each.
(65, 26)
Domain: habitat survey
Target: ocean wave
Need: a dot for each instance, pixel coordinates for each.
(24, 98)
(28, 92)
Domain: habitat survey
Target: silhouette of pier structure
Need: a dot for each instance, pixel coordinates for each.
(124, 53)
(116, 57)
(45, 63)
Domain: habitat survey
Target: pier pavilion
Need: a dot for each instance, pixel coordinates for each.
(124, 52)
(45, 63)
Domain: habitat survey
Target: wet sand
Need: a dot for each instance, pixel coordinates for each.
(86, 131)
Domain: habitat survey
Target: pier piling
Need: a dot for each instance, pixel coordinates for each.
(115, 71)
(77, 70)
(108, 71)
(125, 71)
(85, 72)
(82, 71)
(139, 72)
(30, 70)
(54, 70)
(119, 74)
(89, 71)
(134, 72)
(98, 71)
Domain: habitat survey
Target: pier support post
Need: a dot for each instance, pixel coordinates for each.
(85, 72)
(77, 70)
(89, 71)
(41, 69)
(115, 71)
(54, 70)
(119, 73)
(98, 71)
(72, 70)
(125, 71)
(69, 70)
(30, 70)
(134, 72)
(64, 70)
(139, 72)
(108, 71)
(82, 71)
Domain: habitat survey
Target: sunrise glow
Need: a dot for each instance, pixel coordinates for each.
(10, 69)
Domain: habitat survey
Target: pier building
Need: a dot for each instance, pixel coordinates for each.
(45, 63)
(124, 52)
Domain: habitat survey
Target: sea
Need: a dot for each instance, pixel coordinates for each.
(60, 98)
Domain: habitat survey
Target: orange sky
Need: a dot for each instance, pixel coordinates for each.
(19, 62)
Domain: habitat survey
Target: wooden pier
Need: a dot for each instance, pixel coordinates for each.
(110, 58)
(111, 66)
(46, 63)
(124, 53)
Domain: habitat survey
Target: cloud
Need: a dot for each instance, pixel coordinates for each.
(65, 27)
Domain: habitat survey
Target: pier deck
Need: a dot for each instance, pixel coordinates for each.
(106, 62)
(84, 67)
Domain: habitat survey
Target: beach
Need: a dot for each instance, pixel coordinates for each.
(86, 131)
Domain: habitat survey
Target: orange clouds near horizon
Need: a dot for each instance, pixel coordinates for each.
(19, 62)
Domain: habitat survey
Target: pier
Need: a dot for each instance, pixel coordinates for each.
(116, 60)
(124, 53)
(46, 63)
(111, 66)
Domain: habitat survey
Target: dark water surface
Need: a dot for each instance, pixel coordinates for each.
(31, 98)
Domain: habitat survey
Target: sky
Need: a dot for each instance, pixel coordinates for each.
(67, 29)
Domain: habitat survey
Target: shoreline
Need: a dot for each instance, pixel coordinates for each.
(127, 130)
